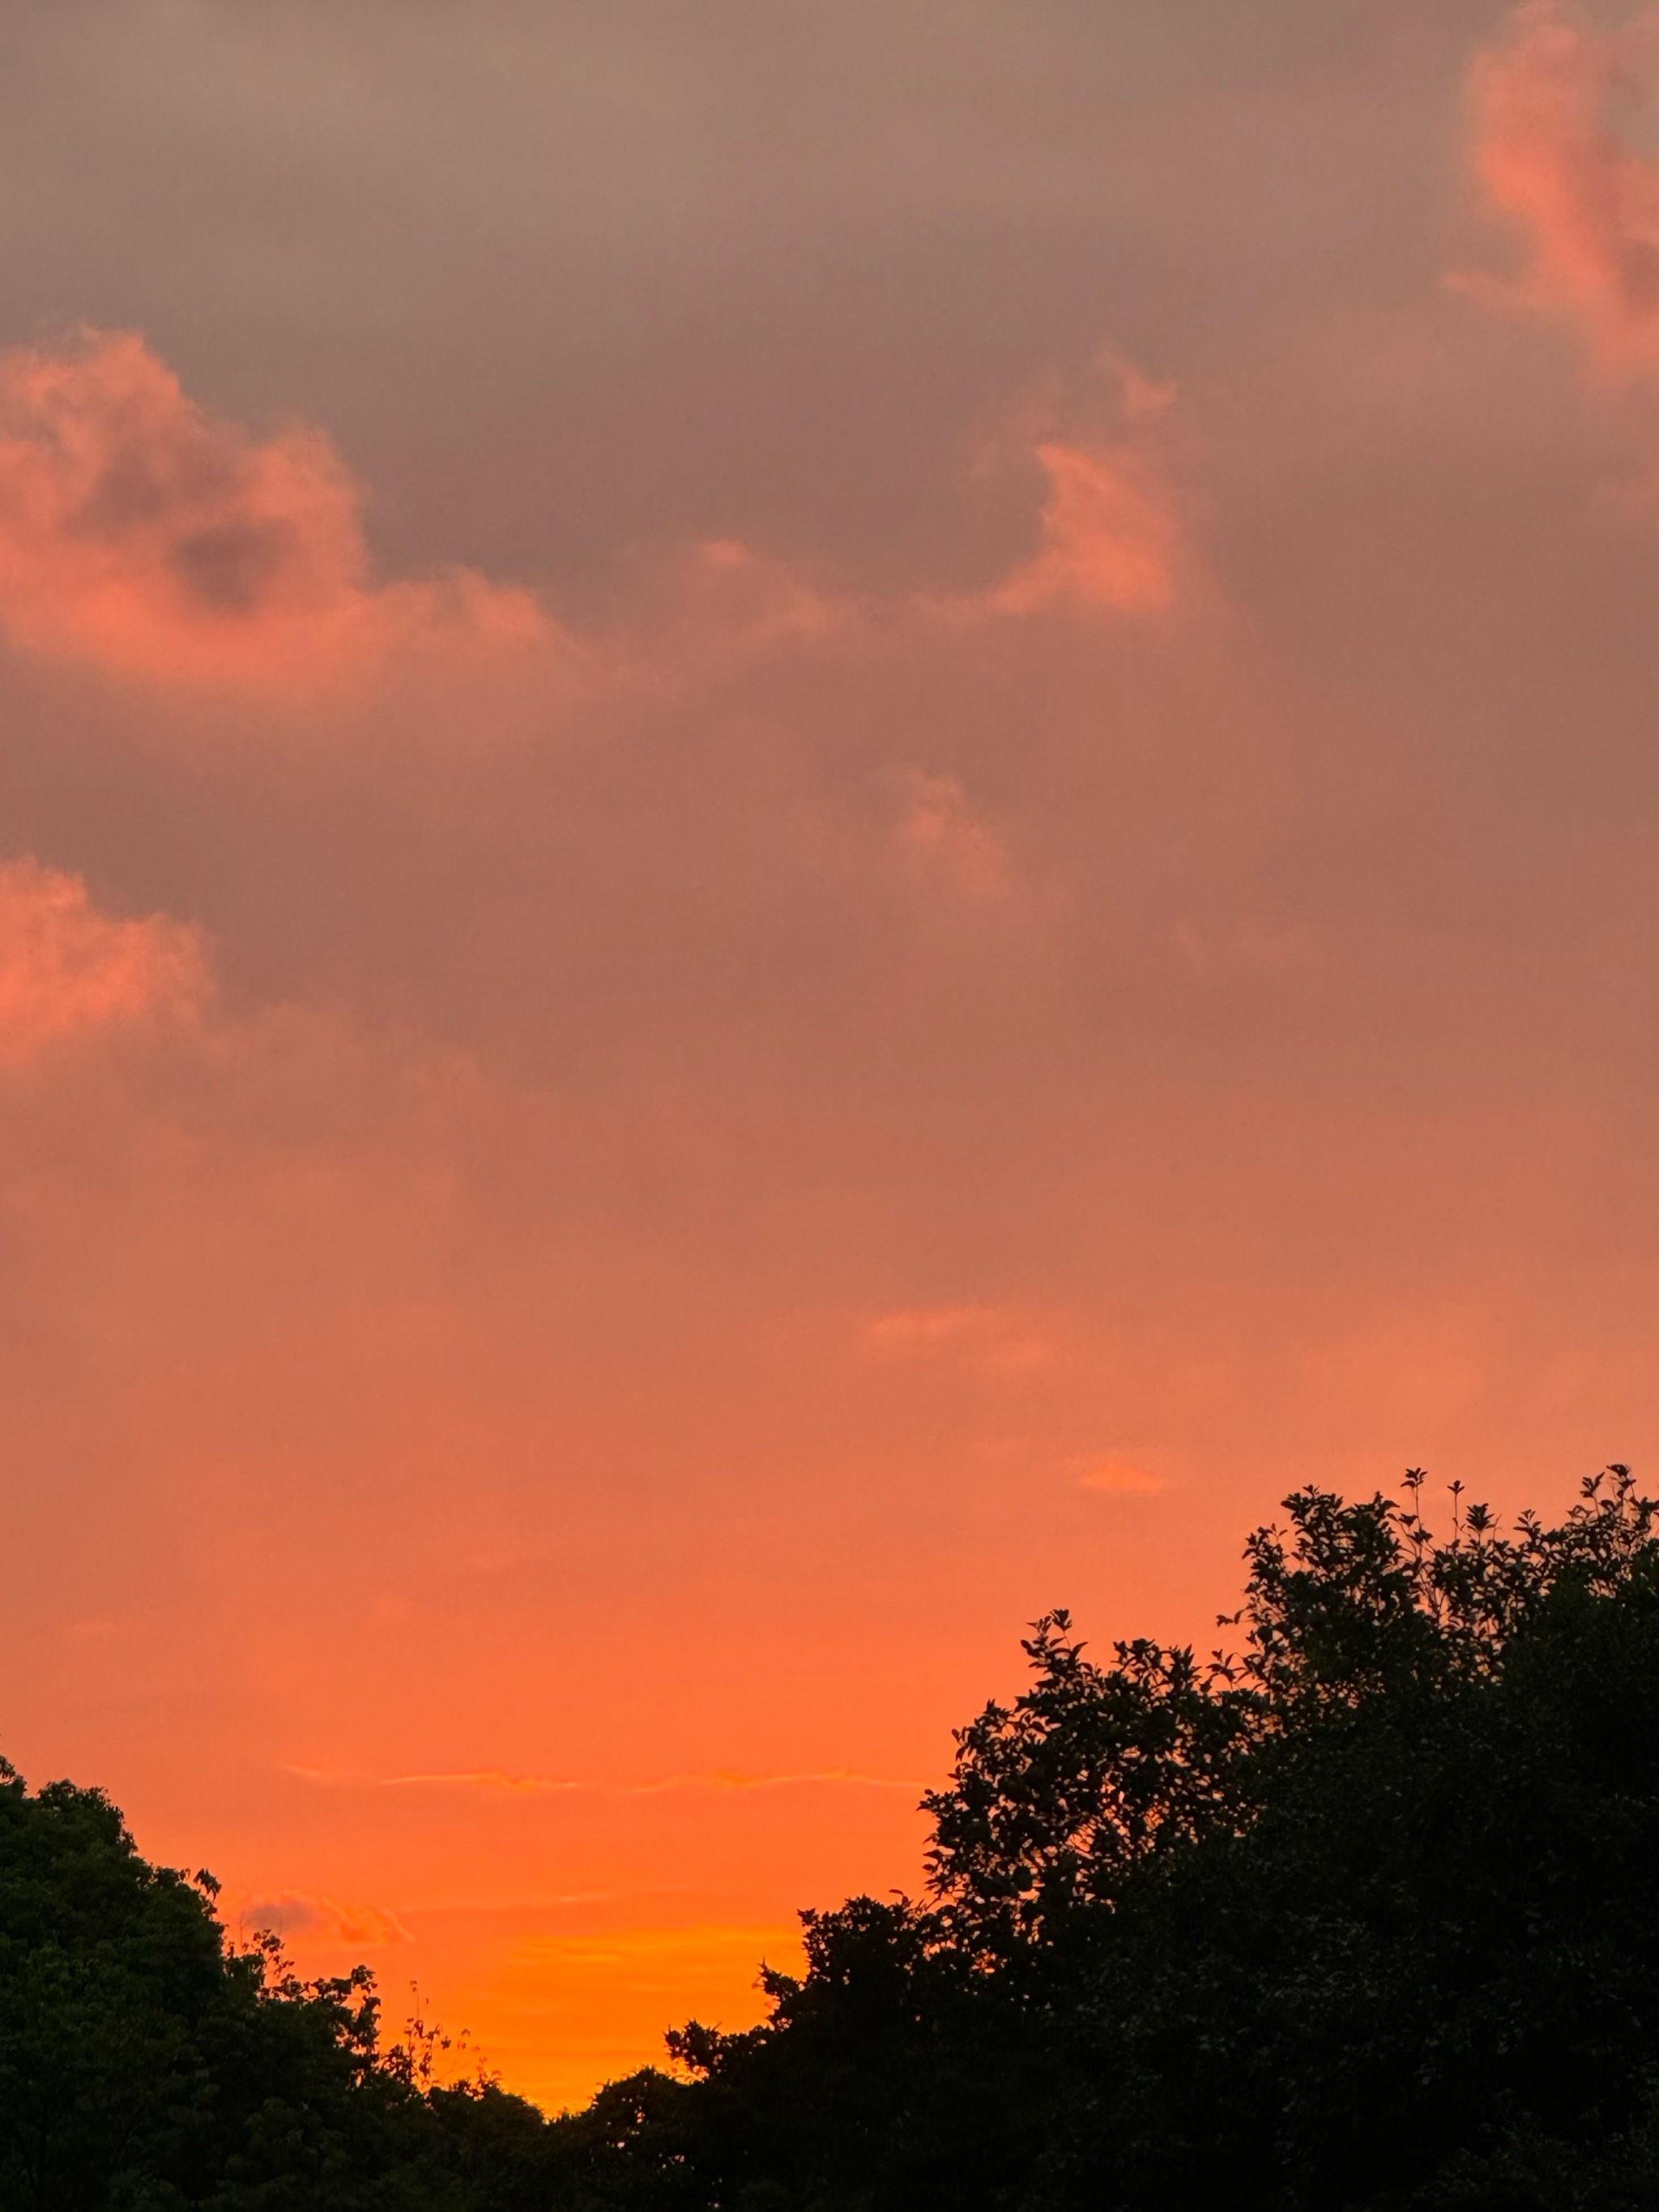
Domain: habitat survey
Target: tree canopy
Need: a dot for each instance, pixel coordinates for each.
(1357, 1914)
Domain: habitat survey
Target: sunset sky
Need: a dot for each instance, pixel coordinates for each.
(818, 818)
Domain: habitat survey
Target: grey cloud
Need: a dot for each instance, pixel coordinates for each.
(564, 276)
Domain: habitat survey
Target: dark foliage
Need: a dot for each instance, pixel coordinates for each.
(1361, 1918)
(145, 2065)
(1365, 1916)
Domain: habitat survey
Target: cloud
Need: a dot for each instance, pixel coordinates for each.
(943, 841)
(67, 969)
(986, 1337)
(503, 1779)
(1118, 1477)
(1549, 156)
(304, 1915)
(1110, 538)
(143, 535)
(755, 600)
(923, 1329)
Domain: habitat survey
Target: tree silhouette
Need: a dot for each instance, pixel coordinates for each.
(1357, 1914)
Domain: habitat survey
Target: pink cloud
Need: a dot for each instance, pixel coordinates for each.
(1109, 539)
(943, 841)
(1549, 157)
(149, 539)
(755, 598)
(145, 536)
(66, 969)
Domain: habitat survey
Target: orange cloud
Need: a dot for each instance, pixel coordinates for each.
(498, 1778)
(503, 1780)
(923, 1328)
(66, 969)
(1118, 1477)
(142, 534)
(1109, 536)
(1550, 158)
(986, 1337)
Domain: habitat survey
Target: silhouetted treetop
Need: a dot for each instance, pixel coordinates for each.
(1094, 1768)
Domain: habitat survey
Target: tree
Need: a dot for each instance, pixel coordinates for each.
(145, 2062)
(1359, 1914)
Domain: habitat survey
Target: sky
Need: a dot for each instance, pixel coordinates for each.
(816, 823)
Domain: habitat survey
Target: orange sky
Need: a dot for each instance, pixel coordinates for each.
(817, 823)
